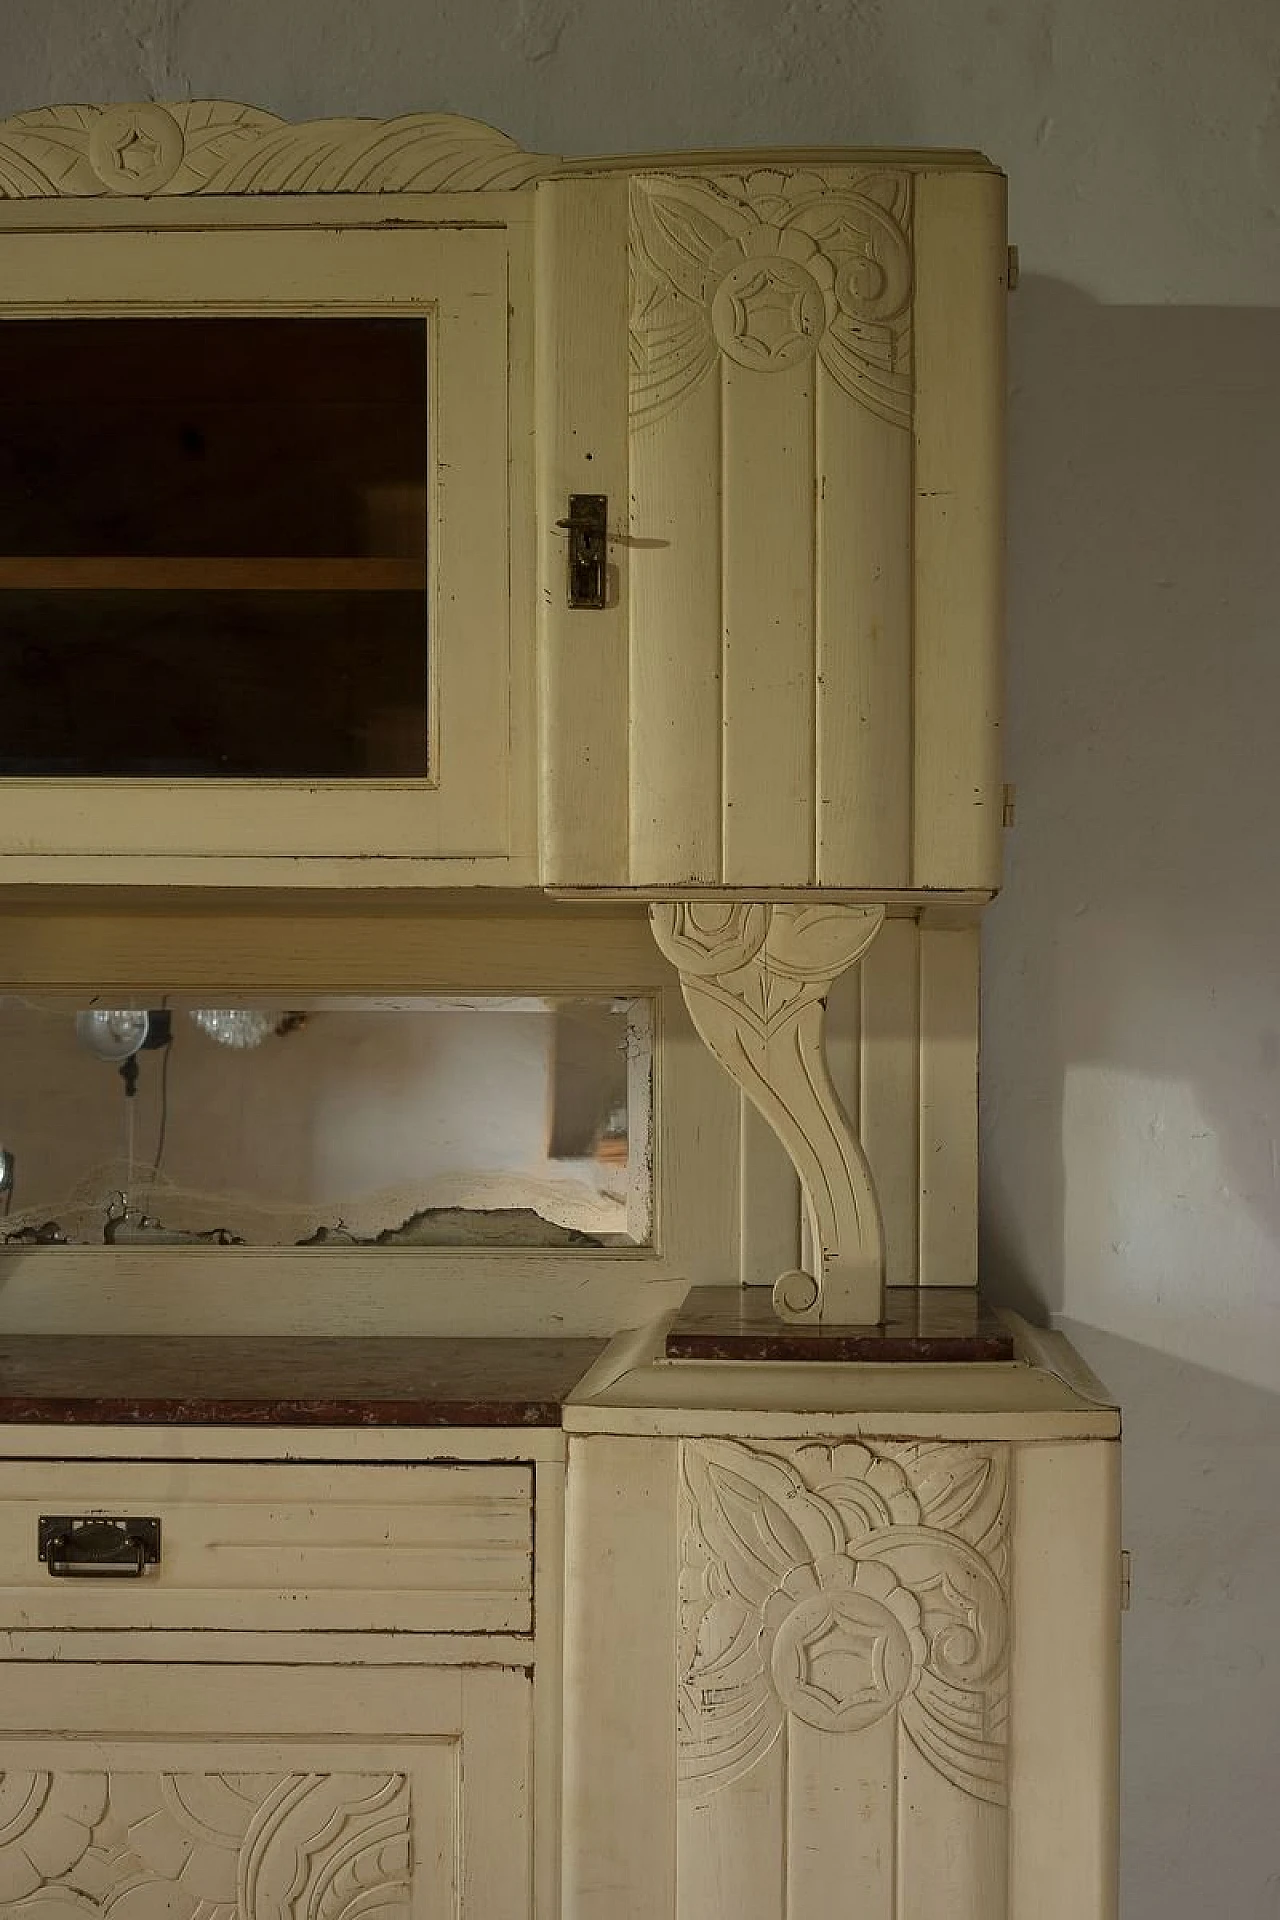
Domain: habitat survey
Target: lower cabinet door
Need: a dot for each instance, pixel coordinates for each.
(264, 1793)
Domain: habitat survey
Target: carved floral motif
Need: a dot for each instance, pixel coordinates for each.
(837, 1584)
(204, 1846)
(769, 269)
(755, 979)
(213, 146)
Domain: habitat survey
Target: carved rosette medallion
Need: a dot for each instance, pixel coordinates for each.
(836, 1584)
(771, 269)
(215, 146)
(135, 149)
(204, 1846)
(755, 979)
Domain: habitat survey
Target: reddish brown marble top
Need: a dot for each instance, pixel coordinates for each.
(921, 1323)
(216, 1380)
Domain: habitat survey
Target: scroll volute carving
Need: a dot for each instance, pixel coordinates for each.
(755, 979)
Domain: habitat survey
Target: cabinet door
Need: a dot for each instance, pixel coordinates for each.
(255, 547)
(191, 1793)
(795, 681)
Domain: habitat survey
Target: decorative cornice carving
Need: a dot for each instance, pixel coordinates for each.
(214, 146)
(838, 1583)
(755, 979)
(768, 269)
(211, 1845)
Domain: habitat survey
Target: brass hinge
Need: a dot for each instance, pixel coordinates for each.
(1013, 272)
(1126, 1581)
(1009, 808)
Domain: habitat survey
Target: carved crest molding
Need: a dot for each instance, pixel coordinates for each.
(767, 270)
(838, 1583)
(217, 147)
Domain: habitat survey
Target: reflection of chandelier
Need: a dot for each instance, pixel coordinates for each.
(235, 1026)
(112, 1033)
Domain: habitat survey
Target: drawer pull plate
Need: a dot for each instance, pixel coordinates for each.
(95, 1546)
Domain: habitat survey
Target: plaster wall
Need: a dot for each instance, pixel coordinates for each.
(1132, 1039)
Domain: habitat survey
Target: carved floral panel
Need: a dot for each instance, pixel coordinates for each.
(769, 269)
(840, 1583)
(204, 1846)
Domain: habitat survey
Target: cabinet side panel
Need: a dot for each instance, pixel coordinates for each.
(864, 644)
(1064, 1746)
(620, 1661)
(961, 282)
(581, 446)
(674, 565)
(769, 686)
(948, 1107)
(889, 985)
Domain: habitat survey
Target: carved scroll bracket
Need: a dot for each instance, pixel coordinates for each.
(755, 979)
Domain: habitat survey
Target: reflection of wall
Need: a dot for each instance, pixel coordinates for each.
(348, 1104)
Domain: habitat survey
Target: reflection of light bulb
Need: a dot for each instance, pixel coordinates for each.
(112, 1033)
(235, 1026)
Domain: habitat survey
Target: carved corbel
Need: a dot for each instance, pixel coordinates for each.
(755, 979)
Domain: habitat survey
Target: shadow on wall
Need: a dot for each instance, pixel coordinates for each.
(1201, 1689)
(1131, 1066)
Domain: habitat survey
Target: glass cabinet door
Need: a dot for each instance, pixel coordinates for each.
(213, 548)
(254, 543)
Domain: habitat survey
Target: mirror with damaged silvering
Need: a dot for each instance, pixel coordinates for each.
(327, 1121)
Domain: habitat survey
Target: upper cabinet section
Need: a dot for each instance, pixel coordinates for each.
(380, 504)
(799, 681)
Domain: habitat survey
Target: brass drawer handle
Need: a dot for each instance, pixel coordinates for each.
(95, 1547)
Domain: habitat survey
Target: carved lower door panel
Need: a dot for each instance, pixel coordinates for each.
(264, 1794)
(843, 1681)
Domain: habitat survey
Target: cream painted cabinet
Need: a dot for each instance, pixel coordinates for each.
(382, 504)
(382, 507)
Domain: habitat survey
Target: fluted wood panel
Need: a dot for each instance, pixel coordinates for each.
(675, 634)
(768, 633)
(581, 447)
(864, 668)
(903, 1046)
(814, 527)
(958, 537)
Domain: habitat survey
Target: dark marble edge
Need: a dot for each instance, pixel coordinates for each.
(939, 1326)
(261, 1381)
(96, 1410)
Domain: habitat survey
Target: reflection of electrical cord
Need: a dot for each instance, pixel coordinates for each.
(164, 1110)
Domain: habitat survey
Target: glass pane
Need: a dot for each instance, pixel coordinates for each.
(335, 1122)
(213, 548)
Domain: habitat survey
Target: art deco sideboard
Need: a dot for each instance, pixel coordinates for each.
(499, 779)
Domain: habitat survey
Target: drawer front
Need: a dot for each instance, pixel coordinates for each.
(262, 1547)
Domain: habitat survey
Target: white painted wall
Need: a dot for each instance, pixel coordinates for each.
(1132, 1078)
